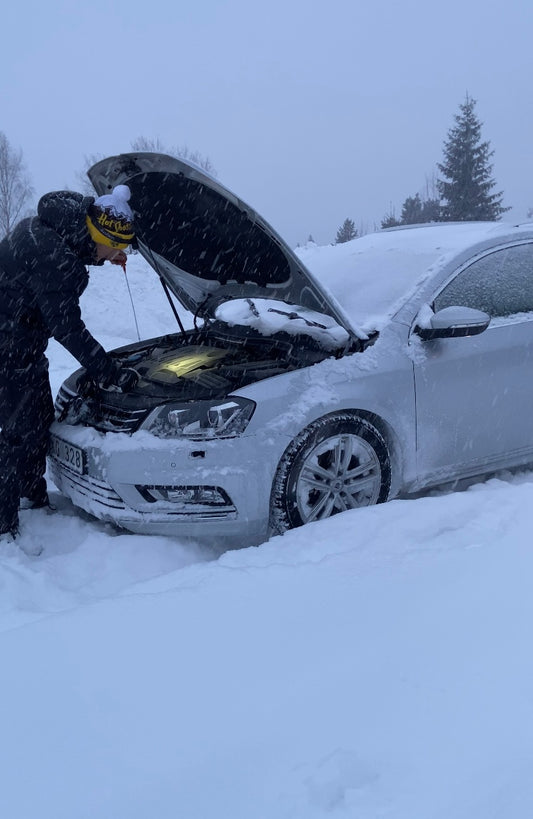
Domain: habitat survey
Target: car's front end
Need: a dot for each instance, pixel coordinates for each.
(204, 488)
(185, 452)
(191, 450)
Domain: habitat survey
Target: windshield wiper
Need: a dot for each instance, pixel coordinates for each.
(292, 315)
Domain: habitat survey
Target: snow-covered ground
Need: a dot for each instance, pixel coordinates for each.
(377, 664)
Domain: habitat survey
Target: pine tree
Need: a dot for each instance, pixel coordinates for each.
(390, 220)
(412, 211)
(346, 232)
(431, 210)
(466, 188)
(416, 211)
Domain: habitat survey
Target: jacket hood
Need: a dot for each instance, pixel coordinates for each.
(65, 212)
(204, 242)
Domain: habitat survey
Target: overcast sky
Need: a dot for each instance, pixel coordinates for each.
(310, 112)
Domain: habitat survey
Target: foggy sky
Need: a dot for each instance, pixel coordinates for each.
(310, 112)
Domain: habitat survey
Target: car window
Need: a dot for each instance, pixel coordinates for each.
(500, 283)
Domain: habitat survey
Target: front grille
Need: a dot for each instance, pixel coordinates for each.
(104, 417)
(102, 501)
(98, 491)
(63, 399)
(114, 419)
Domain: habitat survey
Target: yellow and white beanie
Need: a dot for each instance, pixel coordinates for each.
(110, 219)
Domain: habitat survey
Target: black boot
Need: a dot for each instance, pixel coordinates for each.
(35, 495)
(38, 503)
(9, 503)
(8, 535)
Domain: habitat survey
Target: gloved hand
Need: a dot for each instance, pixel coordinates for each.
(123, 379)
(107, 372)
(114, 377)
(86, 386)
(127, 379)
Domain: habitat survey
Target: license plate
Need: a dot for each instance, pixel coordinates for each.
(69, 455)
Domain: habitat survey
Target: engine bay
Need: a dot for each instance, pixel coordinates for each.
(204, 363)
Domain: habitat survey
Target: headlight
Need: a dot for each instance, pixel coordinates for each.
(201, 419)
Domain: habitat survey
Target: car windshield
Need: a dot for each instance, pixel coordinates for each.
(370, 277)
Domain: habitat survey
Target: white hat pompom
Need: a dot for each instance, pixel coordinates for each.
(122, 192)
(116, 202)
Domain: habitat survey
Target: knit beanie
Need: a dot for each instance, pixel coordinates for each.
(110, 219)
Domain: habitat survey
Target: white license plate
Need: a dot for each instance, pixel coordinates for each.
(69, 455)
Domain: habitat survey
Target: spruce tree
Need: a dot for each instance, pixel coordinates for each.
(416, 211)
(346, 232)
(431, 210)
(389, 221)
(466, 190)
(412, 213)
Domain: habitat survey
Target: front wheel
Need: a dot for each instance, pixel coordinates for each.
(339, 462)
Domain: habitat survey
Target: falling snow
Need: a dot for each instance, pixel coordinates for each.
(375, 664)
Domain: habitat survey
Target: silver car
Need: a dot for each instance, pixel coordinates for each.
(285, 404)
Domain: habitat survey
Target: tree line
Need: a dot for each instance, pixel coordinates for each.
(15, 186)
(464, 191)
(16, 190)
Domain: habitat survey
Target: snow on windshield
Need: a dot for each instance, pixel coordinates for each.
(369, 277)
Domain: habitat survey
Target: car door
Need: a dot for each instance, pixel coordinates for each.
(474, 395)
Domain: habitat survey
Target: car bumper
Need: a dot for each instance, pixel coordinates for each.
(215, 491)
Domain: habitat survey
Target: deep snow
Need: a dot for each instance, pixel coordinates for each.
(377, 664)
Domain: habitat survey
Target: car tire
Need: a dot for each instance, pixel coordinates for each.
(337, 463)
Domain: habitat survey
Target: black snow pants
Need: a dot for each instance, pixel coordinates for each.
(26, 412)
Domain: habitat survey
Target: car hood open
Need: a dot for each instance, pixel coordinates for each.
(204, 242)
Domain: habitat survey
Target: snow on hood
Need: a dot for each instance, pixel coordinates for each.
(269, 316)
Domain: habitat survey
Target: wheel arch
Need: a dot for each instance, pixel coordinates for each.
(384, 429)
(383, 426)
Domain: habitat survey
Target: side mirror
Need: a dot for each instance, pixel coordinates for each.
(454, 322)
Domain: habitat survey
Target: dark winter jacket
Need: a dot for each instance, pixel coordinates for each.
(42, 276)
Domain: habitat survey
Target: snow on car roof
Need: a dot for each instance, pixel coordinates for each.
(370, 275)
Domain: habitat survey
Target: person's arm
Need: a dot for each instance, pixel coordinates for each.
(58, 278)
(71, 332)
